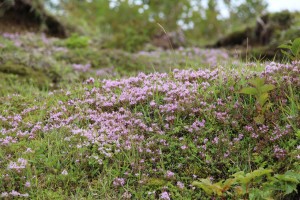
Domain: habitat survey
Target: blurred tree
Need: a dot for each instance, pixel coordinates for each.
(250, 9)
(130, 23)
(168, 13)
(244, 12)
(212, 21)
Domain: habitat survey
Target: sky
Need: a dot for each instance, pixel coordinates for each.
(277, 5)
(274, 5)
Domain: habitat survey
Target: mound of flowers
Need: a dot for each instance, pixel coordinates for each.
(158, 132)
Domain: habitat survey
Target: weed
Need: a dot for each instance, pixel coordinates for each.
(293, 48)
(260, 90)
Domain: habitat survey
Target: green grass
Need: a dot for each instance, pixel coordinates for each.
(91, 144)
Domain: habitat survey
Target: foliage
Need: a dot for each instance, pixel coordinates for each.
(252, 185)
(260, 90)
(123, 26)
(148, 136)
(293, 49)
(131, 24)
(220, 188)
(76, 41)
(243, 12)
(250, 9)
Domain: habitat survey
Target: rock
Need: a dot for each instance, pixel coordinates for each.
(262, 40)
(174, 39)
(261, 34)
(235, 38)
(29, 16)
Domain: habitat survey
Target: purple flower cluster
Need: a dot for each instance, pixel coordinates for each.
(147, 113)
(13, 193)
(81, 67)
(279, 152)
(20, 164)
(209, 57)
(165, 196)
(119, 182)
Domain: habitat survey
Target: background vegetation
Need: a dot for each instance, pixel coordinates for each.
(131, 23)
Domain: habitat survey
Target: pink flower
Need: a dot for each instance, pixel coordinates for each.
(4, 194)
(180, 184)
(165, 196)
(183, 147)
(27, 184)
(279, 153)
(64, 172)
(170, 174)
(152, 103)
(14, 193)
(90, 80)
(20, 164)
(119, 181)
(126, 195)
(29, 150)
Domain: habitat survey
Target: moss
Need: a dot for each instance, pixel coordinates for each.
(6, 45)
(26, 74)
(11, 83)
(122, 61)
(155, 182)
(76, 41)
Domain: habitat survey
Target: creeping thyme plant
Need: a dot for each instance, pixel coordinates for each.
(229, 130)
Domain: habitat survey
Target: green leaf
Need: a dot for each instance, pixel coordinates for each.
(249, 90)
(256, 194)
(239, 190)
(258, 173)
(257, 82)
(267, 107)
(284, 46)
(287, 54)
(298, 134)
(228, 183)
(294, 174)
(260, 119)
(205, 184)
(296, 46)
(217, 188)
(286, 178)
(155, 182)
(290, 188)
(266, 88)
(262, 99)
(245, 179)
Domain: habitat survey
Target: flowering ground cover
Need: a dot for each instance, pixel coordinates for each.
(50, 63)
(153, 136)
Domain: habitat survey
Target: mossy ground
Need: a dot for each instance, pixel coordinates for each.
(134, 135)
(50, 63)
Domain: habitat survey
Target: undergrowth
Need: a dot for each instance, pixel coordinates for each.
(216, 131)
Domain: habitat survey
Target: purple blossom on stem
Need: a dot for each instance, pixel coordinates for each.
(165, 196)
(119, 182)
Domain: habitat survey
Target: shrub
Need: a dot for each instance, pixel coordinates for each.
(76, 41)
